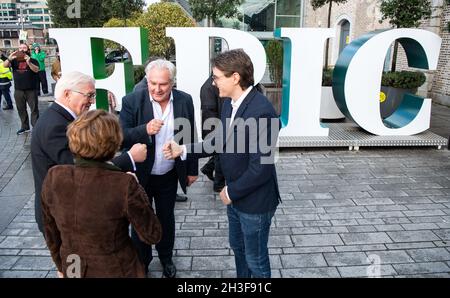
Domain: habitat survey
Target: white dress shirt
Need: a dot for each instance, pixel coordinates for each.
(161, 165)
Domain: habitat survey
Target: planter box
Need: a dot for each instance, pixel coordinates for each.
(392, 99)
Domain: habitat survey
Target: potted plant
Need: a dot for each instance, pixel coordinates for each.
(328, 108)
(394, 85)
(274, 52)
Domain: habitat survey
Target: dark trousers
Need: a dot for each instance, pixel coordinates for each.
(42, 81)
(24, 97)
(4, 90)
(163, 190)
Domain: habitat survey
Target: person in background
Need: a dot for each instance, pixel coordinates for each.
(87, 207)
(25, 71)
(56, 68)
(39, 55)
(5, 84)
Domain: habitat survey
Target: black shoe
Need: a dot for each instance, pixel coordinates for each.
(22, 131)
(208, 174)
(181, 198)
(169, 269)
(8, 108)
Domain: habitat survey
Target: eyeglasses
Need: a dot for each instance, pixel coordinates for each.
(90, 96)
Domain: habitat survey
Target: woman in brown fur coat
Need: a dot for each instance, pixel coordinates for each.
(87, 207)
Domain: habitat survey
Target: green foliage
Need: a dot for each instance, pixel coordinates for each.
(274, 52)
(93, 13)
(403, 79)
(156, 19)
(327, 77)
(139, 73)
(214, 9)
(114, 22)
(405, 14)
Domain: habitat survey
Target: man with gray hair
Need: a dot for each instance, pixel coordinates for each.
(74, 93)
(150, 116)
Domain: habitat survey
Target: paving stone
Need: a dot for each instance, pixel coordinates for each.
(10, 232)
(382, 214)
(9, 252)
(344, 222)
(7, 262)
(436, 267)
(23, 274)
(423, 213)
(343, 215)
(333, 202)
(364, 247)
(370, 221)
(199, 274)
(307, 250)
(280, 241)
(34, 263)
(385, 228)
(429, 254)
(361, 229)
(213, 263)
(420, 226)
(346, 259)
(199, 225)
(391, 257)
(333, 230)
(317, 240)
(325, 272)
(209, 242)
(303, 260)
(444, 234)
(316, 223)
(409, 245)
(34, 252)
(365, 238)
(23, 242)
(378, 208)
(366, 271)
(412, 236)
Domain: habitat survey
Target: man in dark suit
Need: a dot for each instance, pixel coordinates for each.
(211, 104)
(150, 116)
(74, 92)
(251, 192)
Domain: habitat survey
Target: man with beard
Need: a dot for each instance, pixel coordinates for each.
(25, 71)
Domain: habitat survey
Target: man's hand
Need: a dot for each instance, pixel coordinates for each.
(138, 152)
(154, 126)
(13, 55)
(224, 197)
(172, 150)
(59, 274)
(190, 180)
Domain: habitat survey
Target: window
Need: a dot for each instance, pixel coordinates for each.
(6, 43)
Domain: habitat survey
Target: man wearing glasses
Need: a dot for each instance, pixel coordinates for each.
(74, 93)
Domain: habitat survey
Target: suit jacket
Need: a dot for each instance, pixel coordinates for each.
(137, 111)
(50, 147)
(91, 219)
(251, 185)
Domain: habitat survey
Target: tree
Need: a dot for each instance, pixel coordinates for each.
(319, 3)
(404, 14)
(156, 19)
(212, 10)
(93, 13)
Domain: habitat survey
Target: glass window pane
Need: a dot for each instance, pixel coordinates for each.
(288, 22)
(288, 7)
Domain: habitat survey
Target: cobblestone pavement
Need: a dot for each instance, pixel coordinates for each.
(344, 214)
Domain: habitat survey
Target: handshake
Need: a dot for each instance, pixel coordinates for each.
(172, 150)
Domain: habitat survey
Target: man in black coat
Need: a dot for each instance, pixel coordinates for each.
(150, 116)
(211, 105)
(251, 192)
(74, 92)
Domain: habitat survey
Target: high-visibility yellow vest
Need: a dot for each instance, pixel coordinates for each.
(5, 72)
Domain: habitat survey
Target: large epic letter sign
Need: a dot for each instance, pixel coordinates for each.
(82, 49)
(356, 79)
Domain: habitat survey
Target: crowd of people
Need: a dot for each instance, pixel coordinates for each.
(106, 184)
